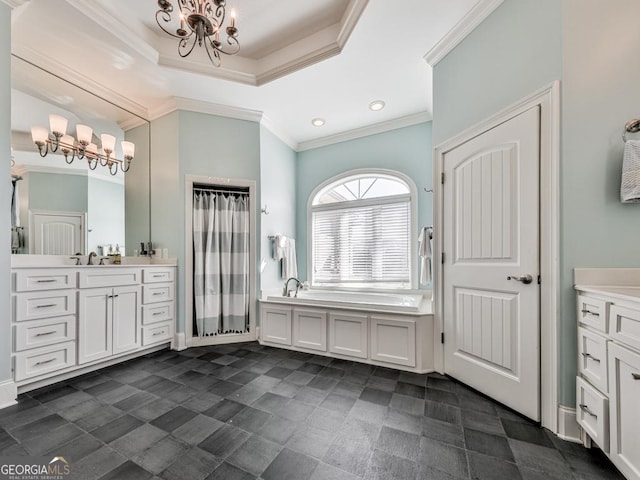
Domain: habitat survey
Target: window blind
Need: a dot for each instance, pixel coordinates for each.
(362, 245)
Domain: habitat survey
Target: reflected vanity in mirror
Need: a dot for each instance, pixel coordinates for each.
(75, 198)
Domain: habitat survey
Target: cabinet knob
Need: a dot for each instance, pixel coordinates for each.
(636, 376)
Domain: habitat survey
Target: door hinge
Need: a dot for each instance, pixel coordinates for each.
(442, 258)
(539, 280)
(442, 337)
(442, 178)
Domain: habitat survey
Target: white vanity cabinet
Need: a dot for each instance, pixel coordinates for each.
(109, 322)
(608, 383)
(158, 304)
(43, 322)
(71, 320)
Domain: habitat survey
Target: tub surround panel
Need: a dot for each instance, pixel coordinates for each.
(361, 333)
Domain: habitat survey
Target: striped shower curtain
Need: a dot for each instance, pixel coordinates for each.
(221, 262)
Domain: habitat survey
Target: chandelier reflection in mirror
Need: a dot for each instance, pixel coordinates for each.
(199, 22)
(83, 147)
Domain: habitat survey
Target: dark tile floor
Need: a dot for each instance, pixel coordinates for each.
(245, 411)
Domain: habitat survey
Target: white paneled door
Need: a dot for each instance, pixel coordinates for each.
(491, 243)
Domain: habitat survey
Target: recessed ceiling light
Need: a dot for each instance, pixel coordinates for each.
(376, 105)
(318, 122)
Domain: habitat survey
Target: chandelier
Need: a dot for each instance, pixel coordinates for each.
(200, 22)
(83, 147)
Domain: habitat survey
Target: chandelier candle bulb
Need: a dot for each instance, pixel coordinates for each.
(233, 18)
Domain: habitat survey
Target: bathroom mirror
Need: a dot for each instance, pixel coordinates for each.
(61, 207)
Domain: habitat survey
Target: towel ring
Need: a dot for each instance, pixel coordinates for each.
(632, 126)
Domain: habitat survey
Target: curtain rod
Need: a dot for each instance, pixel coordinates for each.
(236, 190)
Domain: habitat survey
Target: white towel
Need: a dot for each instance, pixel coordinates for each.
(289, 262)
(424, 251)
(630, 185)
(284, 249)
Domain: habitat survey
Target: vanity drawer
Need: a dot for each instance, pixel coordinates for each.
(625, 326)
(41, 361)
(592, 413)
(156, 293)
(157, 275)
(157, 312)
(47, 279)
(156, 333)
(109, 276)
(593, 312)
(36, 305)
(40, 333)
(592, 358)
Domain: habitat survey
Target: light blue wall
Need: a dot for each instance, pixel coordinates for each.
(407, 150)
(188, 143)
(105, 219)
(600, 73)
(514, 52)
(5, 190)
(278, 186)
(45, 188)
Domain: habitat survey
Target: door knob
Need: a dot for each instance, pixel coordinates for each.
(526, 279)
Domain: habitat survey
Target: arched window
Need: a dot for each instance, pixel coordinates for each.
(361, 231)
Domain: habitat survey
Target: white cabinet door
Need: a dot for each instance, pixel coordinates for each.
(126, 319)
(348, 334)
(310, 329)
(624, 386)
(276, 325)
(95, 326)
(393, 340)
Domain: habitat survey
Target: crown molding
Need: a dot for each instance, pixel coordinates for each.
(382, 127)
(298, 63)
(107, 20)
(205, 68)
(190, 105)
(286, 139)
(70, 75)
(25, 169)
(14, 3)
(350, 20)
(474, 17)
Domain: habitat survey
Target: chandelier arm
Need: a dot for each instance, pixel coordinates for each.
(214, 56)
(95, 163)
(234, 44)
(113, 171)
(43, 148)
(73, 156)
(183, 45)
(122, 165)
(166, 18)
(103, 160)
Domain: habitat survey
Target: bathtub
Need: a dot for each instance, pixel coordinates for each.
(361, 300)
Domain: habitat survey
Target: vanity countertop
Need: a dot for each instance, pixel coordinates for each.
(63, 261)
(626, 292)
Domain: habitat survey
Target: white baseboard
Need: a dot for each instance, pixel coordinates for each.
(8, 393)
(568, 428)
(179, 341)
